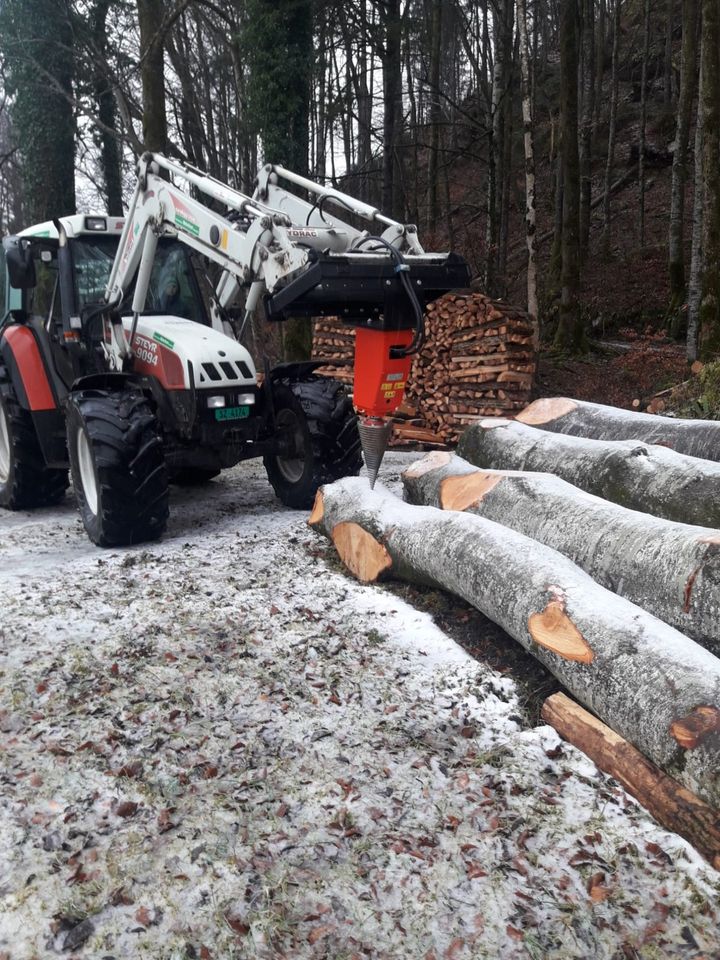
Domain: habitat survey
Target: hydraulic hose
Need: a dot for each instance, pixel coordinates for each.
(402, 269)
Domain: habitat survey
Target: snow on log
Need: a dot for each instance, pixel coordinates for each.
(669, 569)
(695, 438)
(672, 805)
(628, 667)
(643, 477)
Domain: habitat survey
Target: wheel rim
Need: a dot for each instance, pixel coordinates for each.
(292, 468)
(87, 472)
(4, 446)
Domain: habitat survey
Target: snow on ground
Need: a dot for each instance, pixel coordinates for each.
(220, 746)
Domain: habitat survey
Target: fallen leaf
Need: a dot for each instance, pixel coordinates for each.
(317, 933)
(597, 889)
(126, 808)
(142, 915)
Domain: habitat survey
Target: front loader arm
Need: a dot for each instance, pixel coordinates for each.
(261, 252)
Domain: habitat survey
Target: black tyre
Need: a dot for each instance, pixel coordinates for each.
(118, 466)
(193, 476)
(25, 480)
(318, 430)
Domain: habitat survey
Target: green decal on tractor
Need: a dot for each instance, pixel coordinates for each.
(164, 340)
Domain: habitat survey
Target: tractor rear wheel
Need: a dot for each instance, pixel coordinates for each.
(25, 480)
(318, 436)
(118, 466)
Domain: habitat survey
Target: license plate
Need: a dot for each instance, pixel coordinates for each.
(232, 413)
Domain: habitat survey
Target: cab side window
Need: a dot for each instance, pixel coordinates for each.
(44, 298)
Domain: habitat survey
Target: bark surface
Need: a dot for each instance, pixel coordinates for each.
(579, 418)
(669, 802)
(628, 667)
(672, 570)
(644, 477)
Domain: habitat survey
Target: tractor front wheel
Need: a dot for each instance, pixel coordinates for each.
(318, 439)
(118, 466)
(25, 480)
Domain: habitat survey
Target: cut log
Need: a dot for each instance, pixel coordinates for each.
(672, 805)
(640, 476)
(670, 569)
(634, 671)
(694, 438)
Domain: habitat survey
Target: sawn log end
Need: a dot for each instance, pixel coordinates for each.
(554, 630)
(362, 554)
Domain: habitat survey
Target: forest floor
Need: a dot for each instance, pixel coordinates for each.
(630, 367)
(221, 746)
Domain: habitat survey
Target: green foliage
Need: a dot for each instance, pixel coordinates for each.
(36, 44)
(710, 389)
(700, 396)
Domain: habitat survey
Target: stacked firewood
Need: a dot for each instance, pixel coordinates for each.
(478, 361)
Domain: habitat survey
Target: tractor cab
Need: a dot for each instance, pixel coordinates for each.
(58, 289)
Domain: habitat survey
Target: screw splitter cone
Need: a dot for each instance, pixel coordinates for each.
(374, 438)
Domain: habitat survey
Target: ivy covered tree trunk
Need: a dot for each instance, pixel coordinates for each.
(570, 332)
(152, 74)
(688, 80)
(36, 41)
(710, 106)
(280, 52)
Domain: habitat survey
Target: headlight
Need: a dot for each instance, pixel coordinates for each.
(214, 403)
(245, 398)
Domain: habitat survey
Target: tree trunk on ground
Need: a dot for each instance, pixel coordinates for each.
(643, 477)
(530, 213)
(688, 75)
(612, 128)
(578, 418)
(695, 282)
(570, 333)
(672, 570)
(152, 74)
(658, 688)
(672, 805)
(710, 106)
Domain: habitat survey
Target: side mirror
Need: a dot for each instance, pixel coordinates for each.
(20, 264)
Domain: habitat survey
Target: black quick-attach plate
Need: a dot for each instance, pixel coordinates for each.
(364, 291)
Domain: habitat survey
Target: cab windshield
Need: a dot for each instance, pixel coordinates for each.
(173, 287)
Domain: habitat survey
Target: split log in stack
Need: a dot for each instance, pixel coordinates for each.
(477, 361)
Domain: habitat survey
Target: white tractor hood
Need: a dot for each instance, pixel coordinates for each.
(218, 361)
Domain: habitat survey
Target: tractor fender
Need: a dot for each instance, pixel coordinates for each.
(26, 367)
(33, 388)
(112, 380)
(295, 371)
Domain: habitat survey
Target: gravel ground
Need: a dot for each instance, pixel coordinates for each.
(220, 746)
